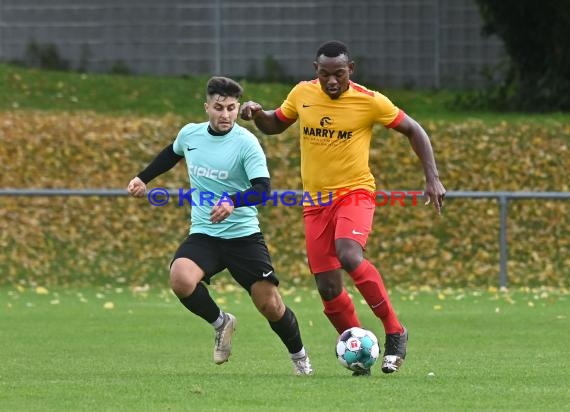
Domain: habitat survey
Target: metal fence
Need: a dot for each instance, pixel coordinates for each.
(396, 43)
(503, 198)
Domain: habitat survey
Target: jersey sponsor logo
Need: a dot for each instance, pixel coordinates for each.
(354, 232)
(325, 121)
(328, 133)
(191, 148)
(200, 171)
(306, 105)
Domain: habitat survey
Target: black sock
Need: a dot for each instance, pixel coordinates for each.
(201, 304)
(287, 329)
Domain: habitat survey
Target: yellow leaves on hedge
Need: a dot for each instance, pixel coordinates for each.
(79, 240)
(78, 151)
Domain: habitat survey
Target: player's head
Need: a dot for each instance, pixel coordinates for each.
(222, 102)
(334, 67)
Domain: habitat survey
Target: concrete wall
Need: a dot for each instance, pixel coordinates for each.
(396, 43)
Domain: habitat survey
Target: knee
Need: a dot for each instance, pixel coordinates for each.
(271, 309)
(268, 301)
(181, 283)
(349, 258)
(329, 288)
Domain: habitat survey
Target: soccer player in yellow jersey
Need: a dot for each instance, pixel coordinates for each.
(336, 117)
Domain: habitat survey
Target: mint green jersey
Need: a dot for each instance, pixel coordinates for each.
(219, 166)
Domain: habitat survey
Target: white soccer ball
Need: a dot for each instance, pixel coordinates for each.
(357, 349)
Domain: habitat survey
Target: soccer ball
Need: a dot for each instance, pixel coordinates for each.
(357, 349)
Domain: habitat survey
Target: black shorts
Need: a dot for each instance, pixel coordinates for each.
(246, 258)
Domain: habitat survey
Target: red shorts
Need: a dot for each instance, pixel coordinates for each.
(349, 217)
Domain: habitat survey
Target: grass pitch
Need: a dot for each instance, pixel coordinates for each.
(117, 349)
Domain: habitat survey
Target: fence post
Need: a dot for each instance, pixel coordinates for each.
(503, 247)
(437, 45)
(218, 38)
(2, 57)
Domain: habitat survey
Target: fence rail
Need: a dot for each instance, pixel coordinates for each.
(503, 198)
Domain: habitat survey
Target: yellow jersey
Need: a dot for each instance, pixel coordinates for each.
(335, 135)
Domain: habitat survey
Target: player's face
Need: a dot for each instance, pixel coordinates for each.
(334, 74)
(222, 112)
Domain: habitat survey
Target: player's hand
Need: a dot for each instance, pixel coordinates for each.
(136, 187)
(221, 212)
(249, 110)
(435, 193)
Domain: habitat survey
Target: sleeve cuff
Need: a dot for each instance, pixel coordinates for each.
(282, 117)
(397, 120)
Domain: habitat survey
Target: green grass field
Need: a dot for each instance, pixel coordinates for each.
(112, 349)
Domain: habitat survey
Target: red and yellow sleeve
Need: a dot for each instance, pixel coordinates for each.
(288, 110)
(388, 114)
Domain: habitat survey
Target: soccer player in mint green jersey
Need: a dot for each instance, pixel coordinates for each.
(228, 175)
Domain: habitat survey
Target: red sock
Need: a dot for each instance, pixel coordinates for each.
(340, 312)
(369, 282)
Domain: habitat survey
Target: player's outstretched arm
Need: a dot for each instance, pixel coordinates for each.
(265, 120)
(419, 140)
(165, 161)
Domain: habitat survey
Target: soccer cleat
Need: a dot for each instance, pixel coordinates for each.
(302, 366)
(362, 372)
(223, 339)
(395, 351)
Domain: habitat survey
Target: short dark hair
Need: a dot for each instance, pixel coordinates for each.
(333, 48)
(223, 86)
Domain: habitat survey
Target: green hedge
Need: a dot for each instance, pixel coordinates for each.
(75, 241)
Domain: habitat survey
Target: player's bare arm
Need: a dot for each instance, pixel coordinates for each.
(265, 120)
(419, 140)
